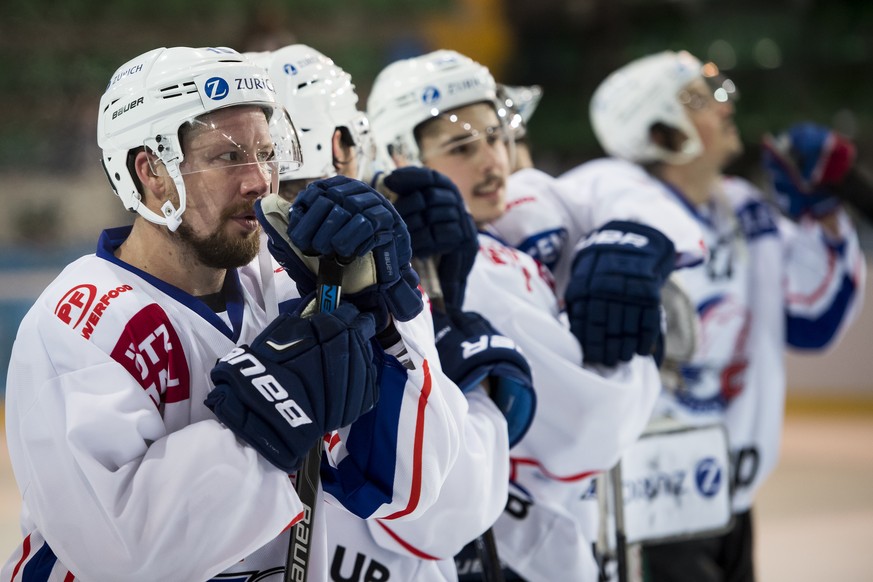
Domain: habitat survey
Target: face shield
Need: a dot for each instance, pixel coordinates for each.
(233, 144)
(469, 132)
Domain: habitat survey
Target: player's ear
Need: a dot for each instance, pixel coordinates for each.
(342, 152)
(667, 137)
(150, 173)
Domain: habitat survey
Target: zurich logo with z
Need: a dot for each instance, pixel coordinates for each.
(216, 88)
(430, 95)
(289, 69)
(707, 475)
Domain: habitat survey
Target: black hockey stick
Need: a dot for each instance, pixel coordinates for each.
(330, 278)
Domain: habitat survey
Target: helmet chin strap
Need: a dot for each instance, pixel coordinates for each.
(173, 216)
(168, 152)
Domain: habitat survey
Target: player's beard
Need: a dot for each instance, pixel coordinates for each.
(218, 249)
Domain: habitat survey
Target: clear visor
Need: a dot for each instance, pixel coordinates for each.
(471, 137)
(240, 139)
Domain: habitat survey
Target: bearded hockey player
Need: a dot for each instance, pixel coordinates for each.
(163, 391)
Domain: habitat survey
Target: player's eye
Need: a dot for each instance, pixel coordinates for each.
(232, 156)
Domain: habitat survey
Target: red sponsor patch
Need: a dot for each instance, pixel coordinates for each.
(150, 350)
(75, 307)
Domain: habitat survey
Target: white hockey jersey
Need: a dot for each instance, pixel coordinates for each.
(766, 283)
(546, 217)
(423, 549)
(470, 500)
(585, 417)
(126, 475)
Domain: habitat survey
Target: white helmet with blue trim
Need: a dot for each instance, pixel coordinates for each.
(151, 97)
(411, 91)
(320, 97)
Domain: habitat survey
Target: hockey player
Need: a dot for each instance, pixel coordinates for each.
(439, 110)
(769, 282)
(157, 400)
(334, 140)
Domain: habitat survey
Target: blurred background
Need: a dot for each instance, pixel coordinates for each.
(792, 60)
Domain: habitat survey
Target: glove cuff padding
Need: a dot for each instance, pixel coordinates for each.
(471, 351)
(300, 379)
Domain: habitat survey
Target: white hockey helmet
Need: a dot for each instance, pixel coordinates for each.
(320, 97)
(411, 91)
(151, 97)
(635, 97)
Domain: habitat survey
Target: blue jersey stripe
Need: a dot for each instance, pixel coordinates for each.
(39, 567)
(364, 480)
(805, 333)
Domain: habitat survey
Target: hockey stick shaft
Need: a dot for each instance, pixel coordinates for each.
(330, 277)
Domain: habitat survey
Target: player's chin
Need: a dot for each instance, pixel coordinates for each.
(488, 210)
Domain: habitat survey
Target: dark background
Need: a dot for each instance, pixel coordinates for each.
(792, 59)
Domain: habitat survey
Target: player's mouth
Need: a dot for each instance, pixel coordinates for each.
(246, 219)
(492, 188)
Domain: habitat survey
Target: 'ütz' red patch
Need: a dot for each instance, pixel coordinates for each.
(150, 350)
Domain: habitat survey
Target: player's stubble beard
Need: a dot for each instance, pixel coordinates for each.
(218, 249)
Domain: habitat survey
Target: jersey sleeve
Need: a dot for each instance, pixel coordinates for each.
(609, 189)
(471, 498)
(585, 417)
(392, 462)
(111, 489)
(825, 279)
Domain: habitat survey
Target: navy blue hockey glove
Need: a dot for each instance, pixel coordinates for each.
(439, 226)
(471, 351)
(804, 166)
(346, 218)
(299, 379)
(614, 296)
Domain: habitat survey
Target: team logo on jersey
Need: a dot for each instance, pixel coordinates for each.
(150, 350)
(76, 305)
(707, 477)
(430, 95)
(216, 88)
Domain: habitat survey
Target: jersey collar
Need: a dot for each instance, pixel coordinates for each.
(111, 239)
